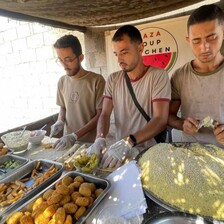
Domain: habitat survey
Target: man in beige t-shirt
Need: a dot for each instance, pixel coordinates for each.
(79, 96)
(152, 89)
(198, 86)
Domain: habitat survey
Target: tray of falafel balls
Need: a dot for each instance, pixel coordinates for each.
(70, 199)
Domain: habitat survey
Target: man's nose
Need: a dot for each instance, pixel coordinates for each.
(119, 58)
(205, 45)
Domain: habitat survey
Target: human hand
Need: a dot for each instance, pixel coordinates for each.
(65, 142)
(97, 147)
(116, 154)
(219, 132)
(56, 128)
(190, 126)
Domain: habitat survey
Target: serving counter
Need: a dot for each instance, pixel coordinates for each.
(120, 182)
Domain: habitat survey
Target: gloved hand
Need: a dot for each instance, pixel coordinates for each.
(97, 147)
(65, 142)
(116, 154)
(56, 128)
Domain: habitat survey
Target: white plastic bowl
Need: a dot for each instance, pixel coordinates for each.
(15, 141)
(37, 136)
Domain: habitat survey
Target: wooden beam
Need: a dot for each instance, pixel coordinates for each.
(53, 23)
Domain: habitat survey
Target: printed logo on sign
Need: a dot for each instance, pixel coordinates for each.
(160, 48)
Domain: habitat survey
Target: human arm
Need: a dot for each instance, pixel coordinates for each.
(68, 140)
(59, 124)
(103, 126)
(173, 120)
(219, 132)
(188, 125)
(157, 123)
(117, 152)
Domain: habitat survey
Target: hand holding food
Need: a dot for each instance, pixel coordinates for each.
(97, 147)
(65, 142)
(190, 126)
(116, 154)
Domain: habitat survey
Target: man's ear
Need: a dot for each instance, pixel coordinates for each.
(141, 47)
(188, 39)
(81, 57)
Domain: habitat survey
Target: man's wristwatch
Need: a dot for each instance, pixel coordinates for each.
(133, 140)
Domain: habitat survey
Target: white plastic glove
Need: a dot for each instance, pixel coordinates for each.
(97, 147)
(116, 154)
(56, 128)
(65, 142)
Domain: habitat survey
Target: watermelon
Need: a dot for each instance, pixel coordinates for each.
(164, 60)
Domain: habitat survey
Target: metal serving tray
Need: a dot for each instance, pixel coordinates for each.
(99, 182)
(175, 218)
(5, 172)
(26, 171)
(174, 209)
(161, 202)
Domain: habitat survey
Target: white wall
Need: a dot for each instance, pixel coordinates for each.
(28, 71)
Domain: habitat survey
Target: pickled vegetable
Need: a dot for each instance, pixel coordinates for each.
(86, 164)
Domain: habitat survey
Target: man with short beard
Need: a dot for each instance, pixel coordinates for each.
(151, 87)
(79, 96)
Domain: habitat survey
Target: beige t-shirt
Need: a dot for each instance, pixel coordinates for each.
(153, 86)
(81, 98)
(200, 95)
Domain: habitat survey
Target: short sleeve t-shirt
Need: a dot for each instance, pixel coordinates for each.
(81, 98)
(201, 95)
(153, 86)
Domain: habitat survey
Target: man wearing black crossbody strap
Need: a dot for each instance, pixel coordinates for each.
(152, 90)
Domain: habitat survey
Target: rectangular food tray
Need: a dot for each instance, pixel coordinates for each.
(99, 182)
(25, 172)
(6, 172)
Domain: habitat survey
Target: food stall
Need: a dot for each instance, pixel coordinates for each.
(126, 197)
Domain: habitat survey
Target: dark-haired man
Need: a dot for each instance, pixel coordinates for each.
(79, 96)
(198, 86)
(152, 89)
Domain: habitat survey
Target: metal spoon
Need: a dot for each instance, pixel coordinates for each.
(23, 131)
(36, 132)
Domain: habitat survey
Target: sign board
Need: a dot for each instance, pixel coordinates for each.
(165, 45)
